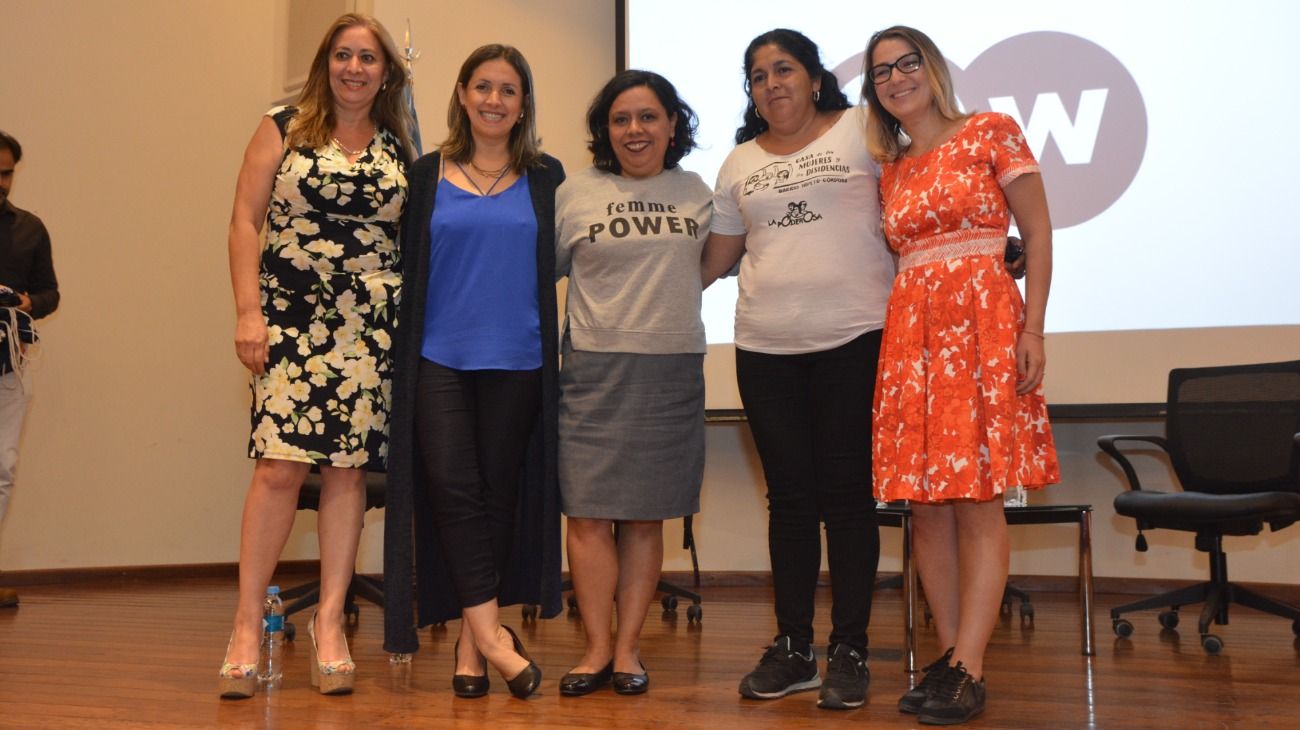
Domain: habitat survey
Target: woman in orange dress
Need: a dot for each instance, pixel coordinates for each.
(959, 411)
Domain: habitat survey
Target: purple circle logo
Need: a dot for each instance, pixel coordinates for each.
(1080, 109)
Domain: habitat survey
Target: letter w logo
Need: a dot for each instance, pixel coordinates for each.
(1075, 139)
(646, 225)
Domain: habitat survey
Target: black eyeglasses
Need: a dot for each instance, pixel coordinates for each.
(907, 64)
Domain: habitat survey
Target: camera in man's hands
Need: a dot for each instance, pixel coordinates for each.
(9, 297)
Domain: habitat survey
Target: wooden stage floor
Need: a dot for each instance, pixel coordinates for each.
(145, 653)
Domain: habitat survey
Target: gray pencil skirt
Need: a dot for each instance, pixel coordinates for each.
(631, 435)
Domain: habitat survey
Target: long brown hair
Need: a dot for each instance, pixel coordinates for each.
(882, 128)
(313, 126)
(524, 144)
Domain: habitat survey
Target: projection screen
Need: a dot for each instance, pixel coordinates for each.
(1162, 129)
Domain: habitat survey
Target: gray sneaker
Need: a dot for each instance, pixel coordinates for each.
(785, 667)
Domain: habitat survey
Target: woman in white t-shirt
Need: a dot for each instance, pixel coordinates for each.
(798, 195)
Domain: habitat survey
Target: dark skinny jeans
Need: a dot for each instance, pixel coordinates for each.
(810, 415)
(472, 428)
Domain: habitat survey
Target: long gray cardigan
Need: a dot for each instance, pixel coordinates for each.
(418, 590)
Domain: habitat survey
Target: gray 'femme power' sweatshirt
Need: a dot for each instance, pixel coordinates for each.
(631, 249)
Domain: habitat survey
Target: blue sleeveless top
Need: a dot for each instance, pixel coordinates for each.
(482, 311)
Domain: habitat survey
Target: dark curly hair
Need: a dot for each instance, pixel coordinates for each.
(796, 44)
(602, 152)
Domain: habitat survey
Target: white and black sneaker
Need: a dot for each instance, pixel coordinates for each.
(847, 678)
(786, 667)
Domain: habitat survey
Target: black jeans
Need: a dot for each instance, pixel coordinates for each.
(472, 429)
(811, 419)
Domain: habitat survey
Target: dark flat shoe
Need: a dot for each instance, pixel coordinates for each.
(468, 685)
(626, 683)
(576, 684)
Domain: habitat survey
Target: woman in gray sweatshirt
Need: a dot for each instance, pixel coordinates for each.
(629, 234)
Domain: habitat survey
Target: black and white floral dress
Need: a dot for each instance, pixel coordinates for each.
(330, 292)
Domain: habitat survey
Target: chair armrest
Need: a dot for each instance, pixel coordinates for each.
(1107, 445)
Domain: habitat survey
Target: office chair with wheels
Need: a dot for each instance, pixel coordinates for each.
(671, 591)
(307, 595)
(1233, 439)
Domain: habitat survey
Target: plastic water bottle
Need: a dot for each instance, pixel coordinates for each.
(272, 654)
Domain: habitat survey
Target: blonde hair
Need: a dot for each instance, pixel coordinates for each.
(882, 127)
(524, 144)
(313, 125)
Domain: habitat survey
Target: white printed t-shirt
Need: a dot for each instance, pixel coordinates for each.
(816, 272)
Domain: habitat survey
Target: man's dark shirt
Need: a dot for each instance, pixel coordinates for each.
(26, 264)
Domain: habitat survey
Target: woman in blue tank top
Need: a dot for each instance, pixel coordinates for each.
(472, 462)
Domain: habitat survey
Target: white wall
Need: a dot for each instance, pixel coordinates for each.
(134, 116)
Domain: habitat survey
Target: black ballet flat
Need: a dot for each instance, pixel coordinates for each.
(527, 681)
(577, 684)
(626, 683)
(468, 685)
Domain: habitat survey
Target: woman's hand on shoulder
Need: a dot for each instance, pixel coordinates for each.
(1015, 257)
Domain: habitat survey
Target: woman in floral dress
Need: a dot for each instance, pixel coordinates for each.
(959, 411)
(316, 306)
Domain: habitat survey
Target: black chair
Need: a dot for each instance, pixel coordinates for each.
(1233, 439)
(307, 595)
(899, 514)
(672, 591)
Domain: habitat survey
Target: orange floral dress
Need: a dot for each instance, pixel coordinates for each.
(948, 422)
